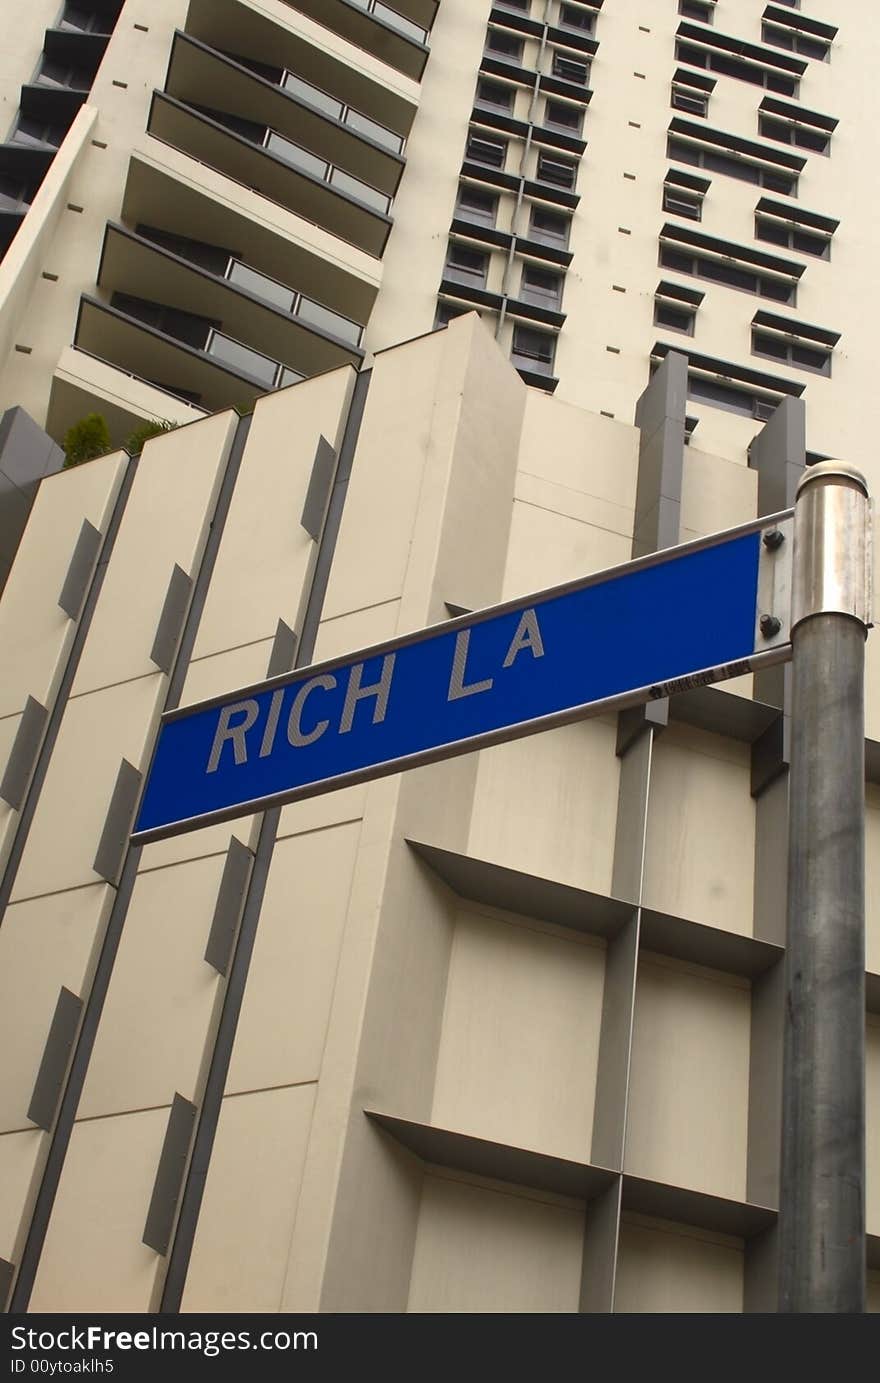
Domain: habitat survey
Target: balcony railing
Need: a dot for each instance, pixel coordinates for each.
(355, 119)
(244, 360)
(394, 20)
(307, 162)
(307, 310)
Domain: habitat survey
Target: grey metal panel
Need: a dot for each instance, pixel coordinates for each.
(778, 454)
(723, 713)
(283, 656)
(23, 755)
(230, 902)
(632, 818)
(482, 882)
(447, 1148)
(7, 1273)
(765, 1087)
(599, 1263)
(771, 855)
(615, 1045)
(771, 754)
(169, 1175)
(172, 618)
(27, 453)
(712, 946)
(81, 570)
(56, 1058)
(761, 1275)
(695, 1207)
(320, 485)
(117, 826)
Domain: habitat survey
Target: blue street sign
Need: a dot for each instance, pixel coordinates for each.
(681, 618)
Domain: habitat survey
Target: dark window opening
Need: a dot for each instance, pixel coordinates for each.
(570, 69)
(734, 275)
(475, 204)
(732, 66)
(466, 265)
(717, 161)
(549, 227)
(507, 45)
(806, 45)
(541, 287)
(556, 171)
(492, 152)
(533, 350)
(700, 10)
(494, 95)
(786, 132)
(563, 116)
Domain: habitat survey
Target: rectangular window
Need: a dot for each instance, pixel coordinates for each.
(494, 95)
(559, 172)
(681, 201)
(562, 116)
(788, 132)
(702, 10)
(733, 273)
(492, 152)
(447, 312)
(732, 65)
(675, 315)
(570, 18)
(690, 99)
(795, 343)
(466, 265)
(475, 204)
(719, 161)
(541, 287)
(533, 350)
(807, 45)
(505, 45)
(522, 6)
(793, 237)
(549, 227)
(570, 69)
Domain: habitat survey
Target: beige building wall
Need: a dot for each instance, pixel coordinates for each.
(426, 1106)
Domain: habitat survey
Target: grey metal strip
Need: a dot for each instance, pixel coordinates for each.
(320, 486)
(283, 656)
(56, 715)
(24, 753)
(30, 1258)
(56, 1058)
(81, 570)
(172, 619)
(771, 754)
(599, 1264)
(169, 1175)
(7, 1273)
(229, 907)
(181, 1250)
(117, 826)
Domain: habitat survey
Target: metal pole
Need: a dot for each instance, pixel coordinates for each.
(822, 1185)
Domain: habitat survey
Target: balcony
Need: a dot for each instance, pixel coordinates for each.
(189, 357)
(280, 37)
(283, 247)
(397, 35)
(276, 167)
(272, 319)
(292, 108)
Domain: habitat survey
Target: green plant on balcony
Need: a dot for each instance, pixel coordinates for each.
(88, 438)
(134, 444)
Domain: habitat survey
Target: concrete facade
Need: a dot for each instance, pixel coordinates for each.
(501, 1034)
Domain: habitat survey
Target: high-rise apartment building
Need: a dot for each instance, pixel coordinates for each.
(501, 1034)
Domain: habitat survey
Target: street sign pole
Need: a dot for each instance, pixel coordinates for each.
(822, 1183)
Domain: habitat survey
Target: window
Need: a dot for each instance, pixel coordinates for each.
(803, 231)
(570, 18)
(37, 133)
(533, 350)
(492, 152)
(676, 307)
(63, 74)
(730, 398)
(557, 171)
(794, 125)
(475, 204)
(733, 165)
(690, 99)
(83, 19)
(14, 195)
(521, 5)
(689, 252)
(508, 45)
(795, 343)
(734, 65)
(549, 227)
(447, 312)
(466, 265)
(563, 116)
(541, 287)
(682, 201)
(703, 10)
(494, 95)
(570, 69)
(807, 45)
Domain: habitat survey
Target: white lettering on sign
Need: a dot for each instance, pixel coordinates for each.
(235, 721)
